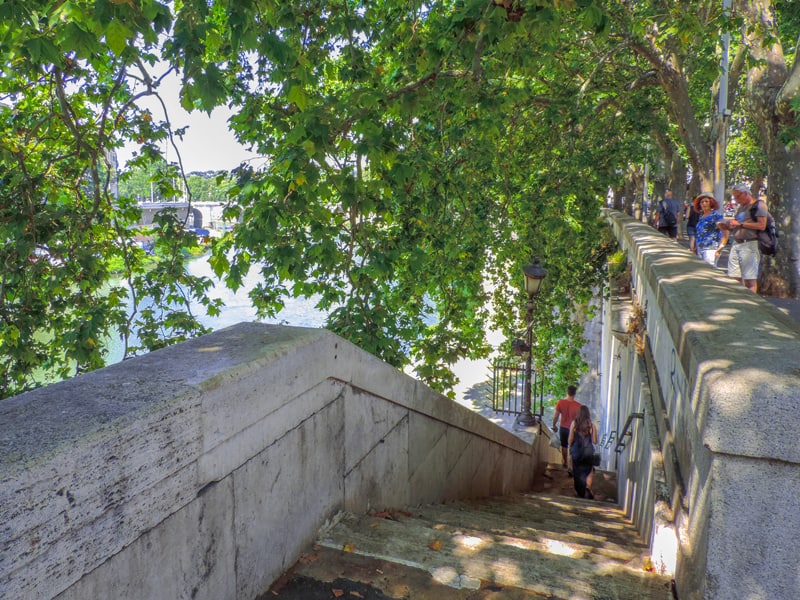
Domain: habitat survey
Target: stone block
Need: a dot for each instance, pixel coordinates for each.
(230, 453)
(191, 554)
(369, 420)
(379, 479)
(427, 459)
(93, 498)
(284, 494)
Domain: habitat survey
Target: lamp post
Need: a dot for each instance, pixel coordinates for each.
(534, 275)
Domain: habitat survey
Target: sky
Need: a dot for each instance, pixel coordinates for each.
(208, 145)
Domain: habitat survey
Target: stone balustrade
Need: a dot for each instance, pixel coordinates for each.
(203, 469)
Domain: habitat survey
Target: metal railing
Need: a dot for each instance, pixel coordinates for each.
(508, 389)
(625, 431)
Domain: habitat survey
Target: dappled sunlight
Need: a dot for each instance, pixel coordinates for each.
(522, 544)
(507, 570)
(562, 549)
(723, 314)
(588, 537)
(466, 545)
(723, 372)
(611, 526)
(665, 550)
(701, 326)
(447, 576)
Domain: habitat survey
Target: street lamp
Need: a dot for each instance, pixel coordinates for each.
(534, 275)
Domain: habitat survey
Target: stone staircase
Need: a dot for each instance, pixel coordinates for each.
(536, 545)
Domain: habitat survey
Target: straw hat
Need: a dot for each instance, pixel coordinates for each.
(710, 196)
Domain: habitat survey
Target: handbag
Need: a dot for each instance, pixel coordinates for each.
(555, 441)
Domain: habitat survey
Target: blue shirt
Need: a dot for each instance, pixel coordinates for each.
(708, 234)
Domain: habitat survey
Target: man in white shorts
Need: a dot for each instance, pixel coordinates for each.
(745, 259)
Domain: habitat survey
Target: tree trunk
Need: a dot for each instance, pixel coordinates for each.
(770, 92)
(678, 174)
(780, 276)
(630, 193)
(697, 149)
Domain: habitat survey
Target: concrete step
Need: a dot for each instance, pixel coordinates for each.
(518, 547)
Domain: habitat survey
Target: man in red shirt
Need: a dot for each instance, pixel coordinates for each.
(568, 409)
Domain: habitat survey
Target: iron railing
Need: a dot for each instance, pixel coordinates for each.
(508, 389)
(626, 432)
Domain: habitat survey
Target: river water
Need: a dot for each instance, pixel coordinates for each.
(300, 312)
(236, 306)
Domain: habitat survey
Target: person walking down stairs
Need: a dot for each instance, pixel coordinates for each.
(567, 408)
(582, 438)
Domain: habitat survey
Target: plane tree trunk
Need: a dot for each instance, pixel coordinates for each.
(772, 95)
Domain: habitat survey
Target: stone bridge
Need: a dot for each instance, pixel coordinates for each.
(202, 470)
(207, 215)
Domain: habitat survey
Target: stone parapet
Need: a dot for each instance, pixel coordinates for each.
(726, 367)
(203, 469)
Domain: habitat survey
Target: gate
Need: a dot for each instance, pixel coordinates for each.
(508, 389)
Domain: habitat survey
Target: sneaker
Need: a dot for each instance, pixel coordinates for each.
(569, 473)
(589, 494)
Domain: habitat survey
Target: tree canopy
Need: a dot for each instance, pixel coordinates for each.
(418, 154)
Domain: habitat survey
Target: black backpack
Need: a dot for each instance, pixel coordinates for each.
(768, 238)
(668, 218)
(582, 449)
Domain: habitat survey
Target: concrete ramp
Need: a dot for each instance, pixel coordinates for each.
(520, 546)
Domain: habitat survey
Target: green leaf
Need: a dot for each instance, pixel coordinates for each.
(297, 96)
(117, 36)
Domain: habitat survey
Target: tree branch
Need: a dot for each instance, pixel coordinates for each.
(790, 90)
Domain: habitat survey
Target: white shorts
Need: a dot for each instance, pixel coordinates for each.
(744, 260)
(709, 255)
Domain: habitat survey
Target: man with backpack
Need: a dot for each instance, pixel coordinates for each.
(667, 215)
(751, 218)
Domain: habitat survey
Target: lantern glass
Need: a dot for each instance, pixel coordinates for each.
(534, 275)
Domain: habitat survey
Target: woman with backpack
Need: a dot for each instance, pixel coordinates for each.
(582, 438)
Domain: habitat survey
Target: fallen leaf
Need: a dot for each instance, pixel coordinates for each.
(349, 547)
(435, 545)
(391, 513)
(308, 558)
(337, 592)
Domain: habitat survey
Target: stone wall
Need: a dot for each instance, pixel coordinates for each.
(203, 470)
(722, 367)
